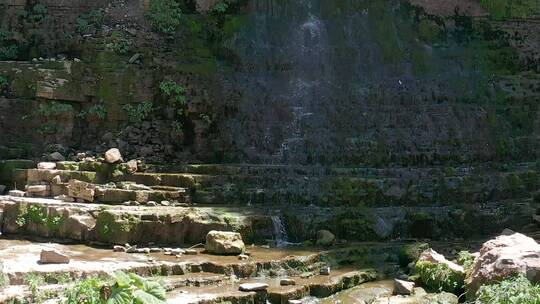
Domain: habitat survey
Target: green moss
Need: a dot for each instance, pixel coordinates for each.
(67, 165)
(7, 168)
(410, 253)
(439, 277)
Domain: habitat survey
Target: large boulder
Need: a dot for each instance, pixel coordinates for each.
(113, 156)
(325, 238)
(222, 242)
(503, 257)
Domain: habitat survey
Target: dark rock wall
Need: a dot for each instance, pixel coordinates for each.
(304, 82)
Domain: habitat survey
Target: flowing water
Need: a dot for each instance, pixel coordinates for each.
(280, 234)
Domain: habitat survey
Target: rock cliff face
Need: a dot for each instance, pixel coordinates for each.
(431, 105)
(358, 82)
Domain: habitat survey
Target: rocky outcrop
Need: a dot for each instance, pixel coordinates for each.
(222, 242)
(502, 257)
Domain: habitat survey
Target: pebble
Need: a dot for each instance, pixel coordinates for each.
(190, 252)
(243, 257)
(118, 248)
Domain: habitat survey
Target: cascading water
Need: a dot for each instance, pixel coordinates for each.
(280, 233)
(335, 82)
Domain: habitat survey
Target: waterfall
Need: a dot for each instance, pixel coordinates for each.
(280, 233)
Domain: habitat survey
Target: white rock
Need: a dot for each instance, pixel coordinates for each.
(224, 242)
(403, 287)
(253, 286)
(113, 156)
(505, 256)
(52, 256)
(37, 188)
(17, 193)
(46, 165)
(430, 255)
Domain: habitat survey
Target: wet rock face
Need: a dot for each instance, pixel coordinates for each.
(221, 242)
(504, 257)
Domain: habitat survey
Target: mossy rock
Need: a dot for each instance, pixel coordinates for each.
(411, 252)
(67, 165)
(7, 167)
(439, 277)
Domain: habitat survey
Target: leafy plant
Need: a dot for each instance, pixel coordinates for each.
(139, 112)
(439, 277)
(174, 91)
(465, 259)
(86, 291)
(165, 15)
(34, 281)
(93, 20)
(54, 108)
(131, 288)
(517, 290)
(8, 47)
(38, 12)
(99, 110)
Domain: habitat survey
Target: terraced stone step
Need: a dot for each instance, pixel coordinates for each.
(319, 286)
(188, 225)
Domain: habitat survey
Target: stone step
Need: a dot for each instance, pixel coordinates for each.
(316, 285)
(188, 225)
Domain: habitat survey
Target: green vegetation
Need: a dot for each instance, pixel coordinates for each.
(90, 22)
(439, 277)
(4, 83)
(517, 290)
(98, 110)
(465, 259)
(38, 12)
(501, 9)
(54, 108)
(174, 91)
(85, 292)
(411, 252)
(165, 16)
(126, 289)
(138, 112)
(8, 47)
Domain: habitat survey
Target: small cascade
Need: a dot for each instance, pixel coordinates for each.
(280, 233)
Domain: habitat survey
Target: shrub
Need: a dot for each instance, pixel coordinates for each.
(465, 259)
(86, 292)
(139, 112)
(165, 15)
(8, 47)
(173, 91)
(439, 277)
(517, 290)
(38, 12)
(126, 289)
(135, 289)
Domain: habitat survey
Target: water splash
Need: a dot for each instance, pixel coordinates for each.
(280, 233)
